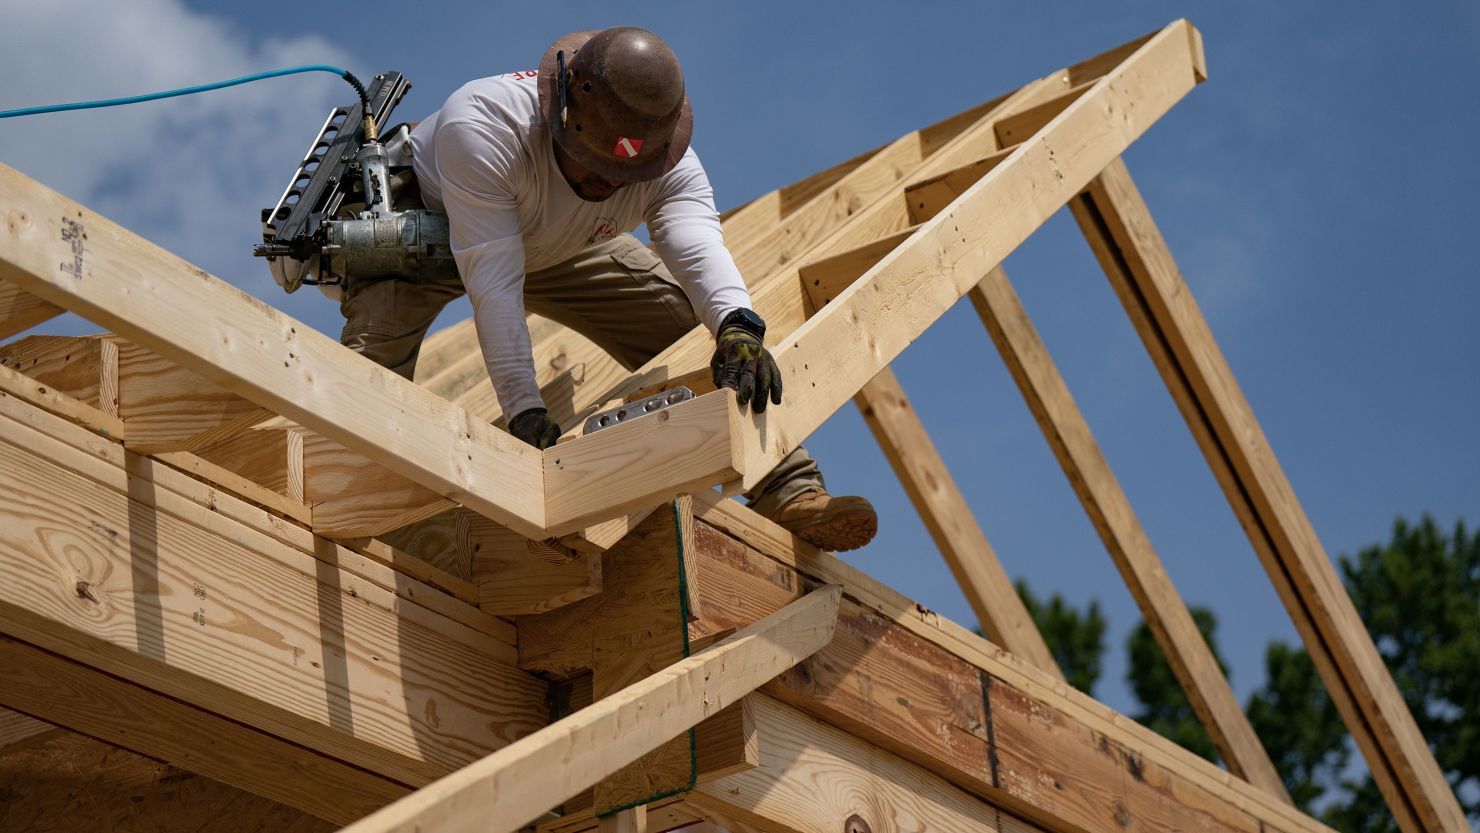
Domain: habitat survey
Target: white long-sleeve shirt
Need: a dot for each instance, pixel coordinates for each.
(486, 158)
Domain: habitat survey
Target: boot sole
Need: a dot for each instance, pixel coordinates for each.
(842, 532)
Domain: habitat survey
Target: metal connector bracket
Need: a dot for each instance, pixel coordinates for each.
(632, 410)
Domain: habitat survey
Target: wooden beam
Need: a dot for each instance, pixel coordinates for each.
(1019, 126)
(510, 789)
(352, 496)
(270, 457)
(930, 196)
(833, 355)
(210, 611)
(85, 368)
(166, 407)
(1189, 656)
(931, 489)
(815, 778)
(20, 310)
(1145, 276)
(922, 687)
(189, 736)
(148, 296)
(444, 542)
(826, 278)
(163, 407)
(378, 574)
(73, 783)
(236, 484)
(15, 384)
(635, 627)
(512, 581)
(18, 730)
(634, 464)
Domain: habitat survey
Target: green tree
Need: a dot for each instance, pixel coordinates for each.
(1419, 595)
(1299, 724)
(1075, 637)
(1164, 706)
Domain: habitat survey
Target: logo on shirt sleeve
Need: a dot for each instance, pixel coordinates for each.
(605, 229)
(628, 148)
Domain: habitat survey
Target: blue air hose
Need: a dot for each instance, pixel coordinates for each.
(114, 102)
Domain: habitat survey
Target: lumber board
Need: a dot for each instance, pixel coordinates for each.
(18, 730)
(413, 567)
(236, 484)
(354, 497)
(826, 278)
(398, 589)
(779, 297)
(666, 814)
(85, 368)
(270, 457)
(902, 436)
(813, 777)
(1020, 126)
(96, 572)
(20, 386)
(513, 787)
(793, 237)
(166, 407)
(703, 442)
(725, 743)
(72, 257)
(510, 580)
(163, 407)
(1068, 434)
(1081, 740)
(20, 310)
(744, 224)
(930, 196)
(1146, 278)
(837, 351)
(637, 629)
(194, 738)
(76, 783)
(443, 542)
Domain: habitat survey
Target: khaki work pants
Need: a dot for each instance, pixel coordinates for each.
(618, 294)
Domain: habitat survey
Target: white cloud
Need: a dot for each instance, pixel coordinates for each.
(190, 173)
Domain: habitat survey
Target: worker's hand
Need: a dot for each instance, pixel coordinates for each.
(535, 427)
(743, 364)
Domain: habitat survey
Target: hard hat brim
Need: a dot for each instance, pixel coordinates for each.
(550, 112)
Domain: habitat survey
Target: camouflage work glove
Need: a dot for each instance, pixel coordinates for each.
(743, 364)
(535, 427)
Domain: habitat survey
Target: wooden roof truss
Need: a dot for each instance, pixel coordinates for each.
(232, 545)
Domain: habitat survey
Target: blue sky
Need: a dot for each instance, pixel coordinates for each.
(1317, 192)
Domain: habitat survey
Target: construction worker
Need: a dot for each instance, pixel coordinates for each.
(542, 175)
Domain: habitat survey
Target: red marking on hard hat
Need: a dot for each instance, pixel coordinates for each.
(627, 147)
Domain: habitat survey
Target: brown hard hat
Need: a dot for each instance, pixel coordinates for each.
(625, 115)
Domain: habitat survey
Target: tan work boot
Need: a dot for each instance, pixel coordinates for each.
(835, 524)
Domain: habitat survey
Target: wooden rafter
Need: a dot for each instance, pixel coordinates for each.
(262, 355)
(855, 336)
(1188, 654)
(406, 680)
(1134, 256)
(919, 467)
